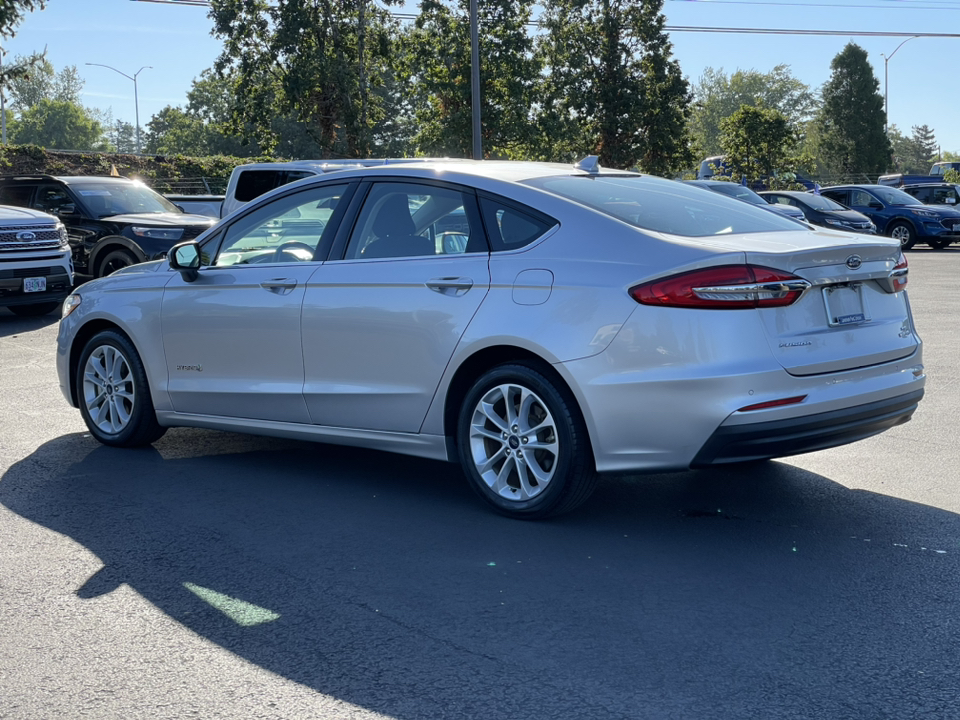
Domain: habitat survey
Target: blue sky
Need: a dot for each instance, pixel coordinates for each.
(176, 42)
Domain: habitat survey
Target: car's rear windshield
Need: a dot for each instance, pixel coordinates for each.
(664, 206)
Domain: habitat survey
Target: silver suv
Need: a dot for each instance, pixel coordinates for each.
(36, 270)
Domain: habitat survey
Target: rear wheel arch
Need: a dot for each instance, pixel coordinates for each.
(480, 362)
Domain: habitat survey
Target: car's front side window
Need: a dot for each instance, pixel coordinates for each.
(288, 229)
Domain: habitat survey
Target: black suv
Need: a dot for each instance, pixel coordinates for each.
(111, 222)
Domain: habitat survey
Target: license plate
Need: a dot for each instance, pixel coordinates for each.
(844, 305)
(956, 227)
(34, 284)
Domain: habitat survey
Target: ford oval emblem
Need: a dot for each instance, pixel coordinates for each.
(26, 236)
(854, 261)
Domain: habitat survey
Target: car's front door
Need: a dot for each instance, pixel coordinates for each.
(232, 336)
(869, 205)
(381, 321)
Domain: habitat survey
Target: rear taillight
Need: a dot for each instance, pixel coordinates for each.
(724, 287)
(898, 277)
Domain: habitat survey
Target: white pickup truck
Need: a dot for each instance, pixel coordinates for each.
(250, 181)
(36, 269)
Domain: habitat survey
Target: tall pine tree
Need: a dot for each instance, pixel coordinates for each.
(853, 141)
(613, 88)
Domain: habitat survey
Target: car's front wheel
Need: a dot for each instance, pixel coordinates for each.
(523, 444)
(903, 233)
(114, 260)
(113, 392)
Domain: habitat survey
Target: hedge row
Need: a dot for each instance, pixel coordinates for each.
(172, 173)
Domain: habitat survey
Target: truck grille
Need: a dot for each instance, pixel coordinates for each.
(44, 238)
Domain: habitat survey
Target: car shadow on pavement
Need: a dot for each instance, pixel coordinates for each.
(12, 325)
(758, 592)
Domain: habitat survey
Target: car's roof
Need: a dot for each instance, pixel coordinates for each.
(792, 193)
(926, 185)
(65, 179)
(861, 186)
(503, 170)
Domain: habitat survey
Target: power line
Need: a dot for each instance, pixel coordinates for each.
(698, 28)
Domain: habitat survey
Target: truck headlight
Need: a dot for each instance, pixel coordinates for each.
(172, 234)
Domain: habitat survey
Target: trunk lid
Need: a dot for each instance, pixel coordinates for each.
(848, 318)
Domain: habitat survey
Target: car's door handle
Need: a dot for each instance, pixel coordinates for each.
(450, 285)
(281, 286)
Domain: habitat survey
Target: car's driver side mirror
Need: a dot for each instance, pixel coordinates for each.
(66, 209)
(185, 259)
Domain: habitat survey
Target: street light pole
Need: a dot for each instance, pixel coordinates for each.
(886, 60)
(136, 101)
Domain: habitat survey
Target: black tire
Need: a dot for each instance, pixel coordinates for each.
(111, 381)
(114, 260)
(551, 419)
(903, 232)
(34, 310)
(939, 244)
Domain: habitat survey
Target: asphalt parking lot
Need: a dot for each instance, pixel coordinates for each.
(224, 576)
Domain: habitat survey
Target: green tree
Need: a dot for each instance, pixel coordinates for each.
(852, 137)
(42, 82)
(315, 60)
(612, 87)
(11, 15)
(58, 124)
(717, 96)
(759, 143)
(926, 143)
(908, 155)
(437, 69)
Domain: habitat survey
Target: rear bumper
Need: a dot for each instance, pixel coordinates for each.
(779, 438)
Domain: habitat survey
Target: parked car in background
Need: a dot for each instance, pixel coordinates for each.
(716, 166)
(36, 270)
(695, 329)
(935, 193)
(820, 210)
(936, 174)
(741, 192)
(209, 205)
(111, 222)
(899, 215)
(250, 181)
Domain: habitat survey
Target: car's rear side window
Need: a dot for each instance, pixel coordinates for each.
(17, 195)
(509, 226)
(664, 206)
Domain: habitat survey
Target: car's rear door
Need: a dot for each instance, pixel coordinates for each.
(383, 316)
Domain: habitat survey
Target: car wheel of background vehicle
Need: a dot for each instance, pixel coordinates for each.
(113, 393)
(939, 244)
(902, 232)
(114, 260)
(523, 444)
(34, 310)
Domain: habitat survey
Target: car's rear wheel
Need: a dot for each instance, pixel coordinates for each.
(114, 260)
(939, 244)
(523, 444)
(34, 310)
(903, 233)
(113, 392)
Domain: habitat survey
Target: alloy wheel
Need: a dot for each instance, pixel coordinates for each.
(513, 442)
(109, 392)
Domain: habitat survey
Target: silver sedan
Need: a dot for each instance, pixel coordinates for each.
(537, 323)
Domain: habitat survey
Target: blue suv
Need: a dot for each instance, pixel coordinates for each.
(899, 215)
